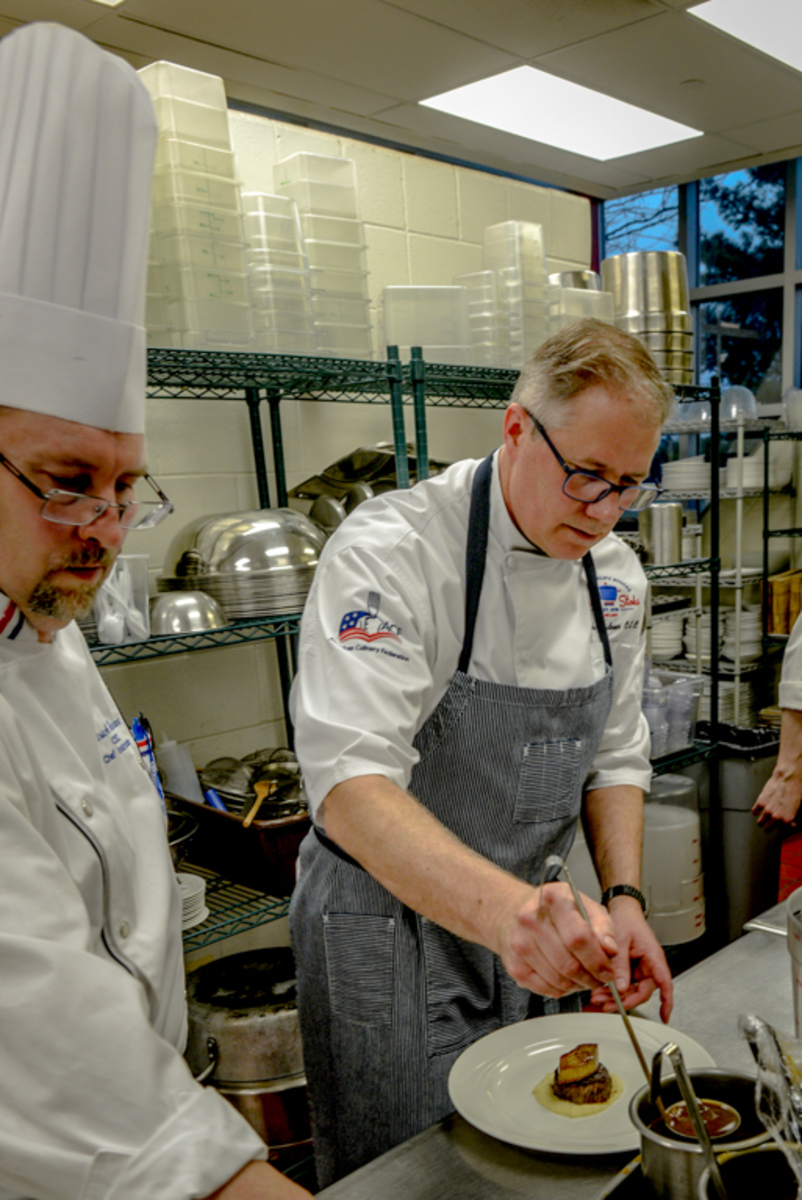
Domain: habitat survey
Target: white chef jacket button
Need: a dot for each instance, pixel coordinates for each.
(125, 929)
(87, 807)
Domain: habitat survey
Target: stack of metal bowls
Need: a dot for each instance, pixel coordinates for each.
(650, 294)
(254, 564)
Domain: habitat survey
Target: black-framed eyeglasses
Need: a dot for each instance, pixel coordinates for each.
(78, 508)
(589, 488)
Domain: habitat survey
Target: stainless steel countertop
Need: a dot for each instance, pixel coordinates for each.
(454, 1161)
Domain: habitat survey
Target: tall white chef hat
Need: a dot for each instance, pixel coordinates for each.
(77, 138)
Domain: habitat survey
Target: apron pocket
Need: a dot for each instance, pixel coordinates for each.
(549, 782)
(359, 963)
(460, 989)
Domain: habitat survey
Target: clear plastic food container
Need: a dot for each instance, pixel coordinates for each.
(271, 205)
(210, 314)
(289, 303)
(341, 283)
(180, 155)
(216, 338)
(324, 199)
(333, 229)
(192, 122)
(447, 355)
(282, 341)
(347, 340)
(195, 187)
(184, 250)
(287, 260)
(418, 316)
(198, 284)
(197, 219)
(336, 256)
(337, 310)
(271, 278)
(271, 317)
(315, 168)
(170, 79)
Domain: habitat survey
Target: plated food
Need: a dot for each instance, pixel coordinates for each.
(580, 1086)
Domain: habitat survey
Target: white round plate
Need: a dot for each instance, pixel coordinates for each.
(198, 920)
(492, 1082)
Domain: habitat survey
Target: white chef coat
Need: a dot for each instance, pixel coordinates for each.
(96, 1100)
(790, 690)
(383, 625)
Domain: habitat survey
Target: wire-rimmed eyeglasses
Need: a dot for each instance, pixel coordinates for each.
(589, 488)
(78, 508)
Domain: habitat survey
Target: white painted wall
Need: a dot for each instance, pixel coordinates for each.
(424, 222)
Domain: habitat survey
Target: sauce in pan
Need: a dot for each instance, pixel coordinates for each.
(720, 1119)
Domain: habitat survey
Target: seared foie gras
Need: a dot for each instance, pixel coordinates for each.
(581, 1078)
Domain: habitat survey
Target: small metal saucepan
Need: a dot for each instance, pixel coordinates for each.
(672, 1164)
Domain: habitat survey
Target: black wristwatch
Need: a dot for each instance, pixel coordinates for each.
(625, 889)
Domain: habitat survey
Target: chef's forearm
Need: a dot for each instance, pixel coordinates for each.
(419, 861)
(614, 826)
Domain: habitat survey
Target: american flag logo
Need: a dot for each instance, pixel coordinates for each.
(354, 625)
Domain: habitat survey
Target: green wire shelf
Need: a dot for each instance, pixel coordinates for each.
(698, 752)
(233, 908)
(683, 570)
(257, 630)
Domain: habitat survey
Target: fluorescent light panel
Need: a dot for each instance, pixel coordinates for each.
(773, 26)
(108, 3)
(543, 108)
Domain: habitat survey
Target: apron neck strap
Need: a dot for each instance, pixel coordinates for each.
(475, 557)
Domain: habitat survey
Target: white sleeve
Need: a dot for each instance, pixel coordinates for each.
(95, 1105)
(363, 681)
(790, 690)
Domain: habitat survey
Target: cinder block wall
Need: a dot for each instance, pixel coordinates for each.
(424, 222)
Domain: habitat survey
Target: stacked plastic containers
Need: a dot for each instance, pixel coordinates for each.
(325, 191)
(569, 304)
(516, 251)
(488, 322)
(434, 318)
(278, 274)
(197, 283)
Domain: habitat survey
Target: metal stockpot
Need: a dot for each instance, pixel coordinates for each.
(672, 1166)
(660, 532)
(245, 1041)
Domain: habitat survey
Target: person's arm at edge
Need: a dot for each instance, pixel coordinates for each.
(614, 825)
(427, 868)
(259, 1181)
(778, 802)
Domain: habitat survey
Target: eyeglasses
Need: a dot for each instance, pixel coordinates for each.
(589, 488)
(77, 508)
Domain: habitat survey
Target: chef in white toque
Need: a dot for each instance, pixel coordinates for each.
(96, 1098)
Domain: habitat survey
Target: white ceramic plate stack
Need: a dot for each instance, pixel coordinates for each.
(687, 475)
(751, 636)
(193, 899)
(747, 705)
(690, 637)
(666, 639)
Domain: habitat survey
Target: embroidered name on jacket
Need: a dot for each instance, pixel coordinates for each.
(363, 627)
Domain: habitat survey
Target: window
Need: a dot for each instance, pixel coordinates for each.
(740, 340)
(741, 223)
(649, 221)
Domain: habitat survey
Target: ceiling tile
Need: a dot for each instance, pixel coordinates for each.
(76, 14)
(647, 64)
(527, 29)
(778, 135)
(364, 42)
(280, 87)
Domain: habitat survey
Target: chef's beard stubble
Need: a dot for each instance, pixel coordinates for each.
(59, 604)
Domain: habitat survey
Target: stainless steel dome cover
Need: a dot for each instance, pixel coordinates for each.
(245, 544)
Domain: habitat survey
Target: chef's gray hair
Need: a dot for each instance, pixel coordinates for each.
(586, 354)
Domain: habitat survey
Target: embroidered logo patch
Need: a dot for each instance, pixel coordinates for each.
(365, 624)
(619, 604)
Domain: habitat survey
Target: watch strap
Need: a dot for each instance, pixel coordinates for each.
(625, 889)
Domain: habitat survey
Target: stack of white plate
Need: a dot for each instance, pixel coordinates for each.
(666, 638)
(193, 899)
(747, 704)
(751, 644)
(753, 474)
(687, 475)
(704, 638)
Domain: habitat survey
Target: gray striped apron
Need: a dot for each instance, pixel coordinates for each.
(387, 999)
